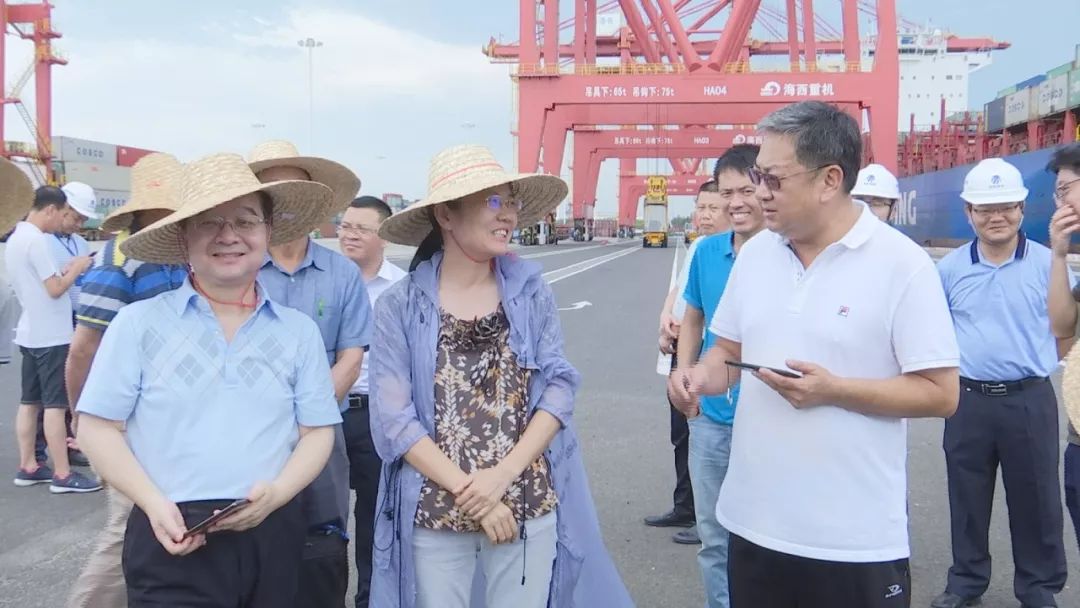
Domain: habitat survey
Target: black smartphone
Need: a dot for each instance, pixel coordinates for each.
(201, 527)
(752, 367)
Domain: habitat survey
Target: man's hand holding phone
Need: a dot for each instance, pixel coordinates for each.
(816, 386)
(262, 501)
(169, 528)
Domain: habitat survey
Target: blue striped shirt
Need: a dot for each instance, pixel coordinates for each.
(115, 280)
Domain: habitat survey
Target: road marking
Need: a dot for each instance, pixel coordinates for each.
(580, 267)
(533, 256)
(578, 305)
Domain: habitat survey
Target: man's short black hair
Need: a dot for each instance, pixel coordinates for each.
(1065, 157)
(709, 186)
(371, 202)
(739, 158)
(49, 196)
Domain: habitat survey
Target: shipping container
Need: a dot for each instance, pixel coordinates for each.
(1074, 89)
(107, 202)
(1053, 94)
(1064, 68)
(1005, 92)
(1018, 107)
(995, 115)
(1031, 82)
(98, 177)
(72, 149)
(126, 156)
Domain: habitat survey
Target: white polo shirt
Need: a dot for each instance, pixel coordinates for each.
(388, 275)
(45, 321)
(828, 483)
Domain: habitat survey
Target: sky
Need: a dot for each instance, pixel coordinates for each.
(393, 83)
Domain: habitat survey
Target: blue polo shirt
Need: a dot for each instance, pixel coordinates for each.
(1000, 312)
(206, 418)
(709, 271)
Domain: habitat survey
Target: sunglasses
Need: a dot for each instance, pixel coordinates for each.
(772, 182)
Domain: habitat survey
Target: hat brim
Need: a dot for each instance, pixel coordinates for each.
(16, 197)
(1019, 197)
(341, 180)
(299, 206)
(1070, 385)
(540, 195)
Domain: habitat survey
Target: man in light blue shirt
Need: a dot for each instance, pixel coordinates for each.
(997, 288)
(328, 288)
(225, 396)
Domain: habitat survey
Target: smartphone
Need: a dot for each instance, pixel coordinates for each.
(201, 527)
(753, 367)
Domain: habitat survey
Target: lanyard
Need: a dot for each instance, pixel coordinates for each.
(65, 240)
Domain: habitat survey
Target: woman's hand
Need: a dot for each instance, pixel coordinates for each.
(482, 491)
(499, 524)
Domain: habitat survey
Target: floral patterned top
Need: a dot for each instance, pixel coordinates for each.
(481, 396)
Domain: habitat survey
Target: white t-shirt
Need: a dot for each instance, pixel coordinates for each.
(679, 308)
(388, 275)
(45, 321)
(828, 483)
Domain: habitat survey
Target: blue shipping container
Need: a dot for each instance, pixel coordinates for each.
(995, 115)
(1031, 82)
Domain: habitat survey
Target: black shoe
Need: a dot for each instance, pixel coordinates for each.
(671, 519)
(687, 537)
(951, 600)
(77, 459)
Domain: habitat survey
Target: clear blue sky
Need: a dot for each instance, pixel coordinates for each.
(395, 82)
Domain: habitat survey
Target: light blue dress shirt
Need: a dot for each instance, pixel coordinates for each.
(207, 418)
(1000, 312)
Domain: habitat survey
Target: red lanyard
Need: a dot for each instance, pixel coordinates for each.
(241, 303)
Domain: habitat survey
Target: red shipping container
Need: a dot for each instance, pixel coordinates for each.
(127, 156)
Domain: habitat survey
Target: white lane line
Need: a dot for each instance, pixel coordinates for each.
(554, 276)
(545, 254)
(663, 362)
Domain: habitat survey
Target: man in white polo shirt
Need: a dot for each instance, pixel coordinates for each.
(815, 496)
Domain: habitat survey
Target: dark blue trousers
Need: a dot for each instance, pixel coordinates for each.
(1019, 432)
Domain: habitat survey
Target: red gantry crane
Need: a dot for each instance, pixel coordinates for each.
(685, 63)
(30, 22)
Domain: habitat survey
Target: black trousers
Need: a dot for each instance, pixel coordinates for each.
(762, 578)
(1072, 486)
(256, 568)
(683, 496)
(324, 572)
(1018, 431)
(364, 469)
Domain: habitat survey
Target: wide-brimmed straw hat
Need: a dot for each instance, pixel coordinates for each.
(154, 182)
(338, 177)
(463, 170)
(1070, 385)
(299, 206)
(16, 195)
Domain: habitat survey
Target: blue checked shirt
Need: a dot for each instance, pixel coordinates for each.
(207, 418)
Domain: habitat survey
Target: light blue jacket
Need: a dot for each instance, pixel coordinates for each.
(403, 411)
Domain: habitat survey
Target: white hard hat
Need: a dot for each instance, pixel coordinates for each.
(82, 199)
(876, 180)
(994, 181)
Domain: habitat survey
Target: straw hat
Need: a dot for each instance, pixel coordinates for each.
(463, 170)
(16, 195)
(1070, 385)
(214, 180)
(154, 182)
(280, 153)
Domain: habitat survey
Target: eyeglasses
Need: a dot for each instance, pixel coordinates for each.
(357, 229)
(990, 211)
(772, 182)
(496, 202)
(1063, 189)
(245, 224)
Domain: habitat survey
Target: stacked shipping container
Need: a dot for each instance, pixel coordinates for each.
(1038, 97)
(104, 167)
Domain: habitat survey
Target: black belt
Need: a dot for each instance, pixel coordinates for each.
(358, 402)
(1001, 389)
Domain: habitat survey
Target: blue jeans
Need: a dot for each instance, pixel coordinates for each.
(710, 448)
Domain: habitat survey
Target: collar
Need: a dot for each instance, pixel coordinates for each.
(858, 234)
(312, 257)
(185, 296)
(512, 274)
(386, 271)
(1021, 249)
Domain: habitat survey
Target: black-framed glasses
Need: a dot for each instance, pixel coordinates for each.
(245, 224)
(989, 211)
(496, 202)
(772, 182)
(358, 229)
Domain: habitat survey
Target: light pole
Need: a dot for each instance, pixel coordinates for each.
(310, 44)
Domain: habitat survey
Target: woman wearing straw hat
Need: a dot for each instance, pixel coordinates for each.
(225, 395)
(472, 400)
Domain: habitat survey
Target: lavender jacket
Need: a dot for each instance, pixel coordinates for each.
(403, 353)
